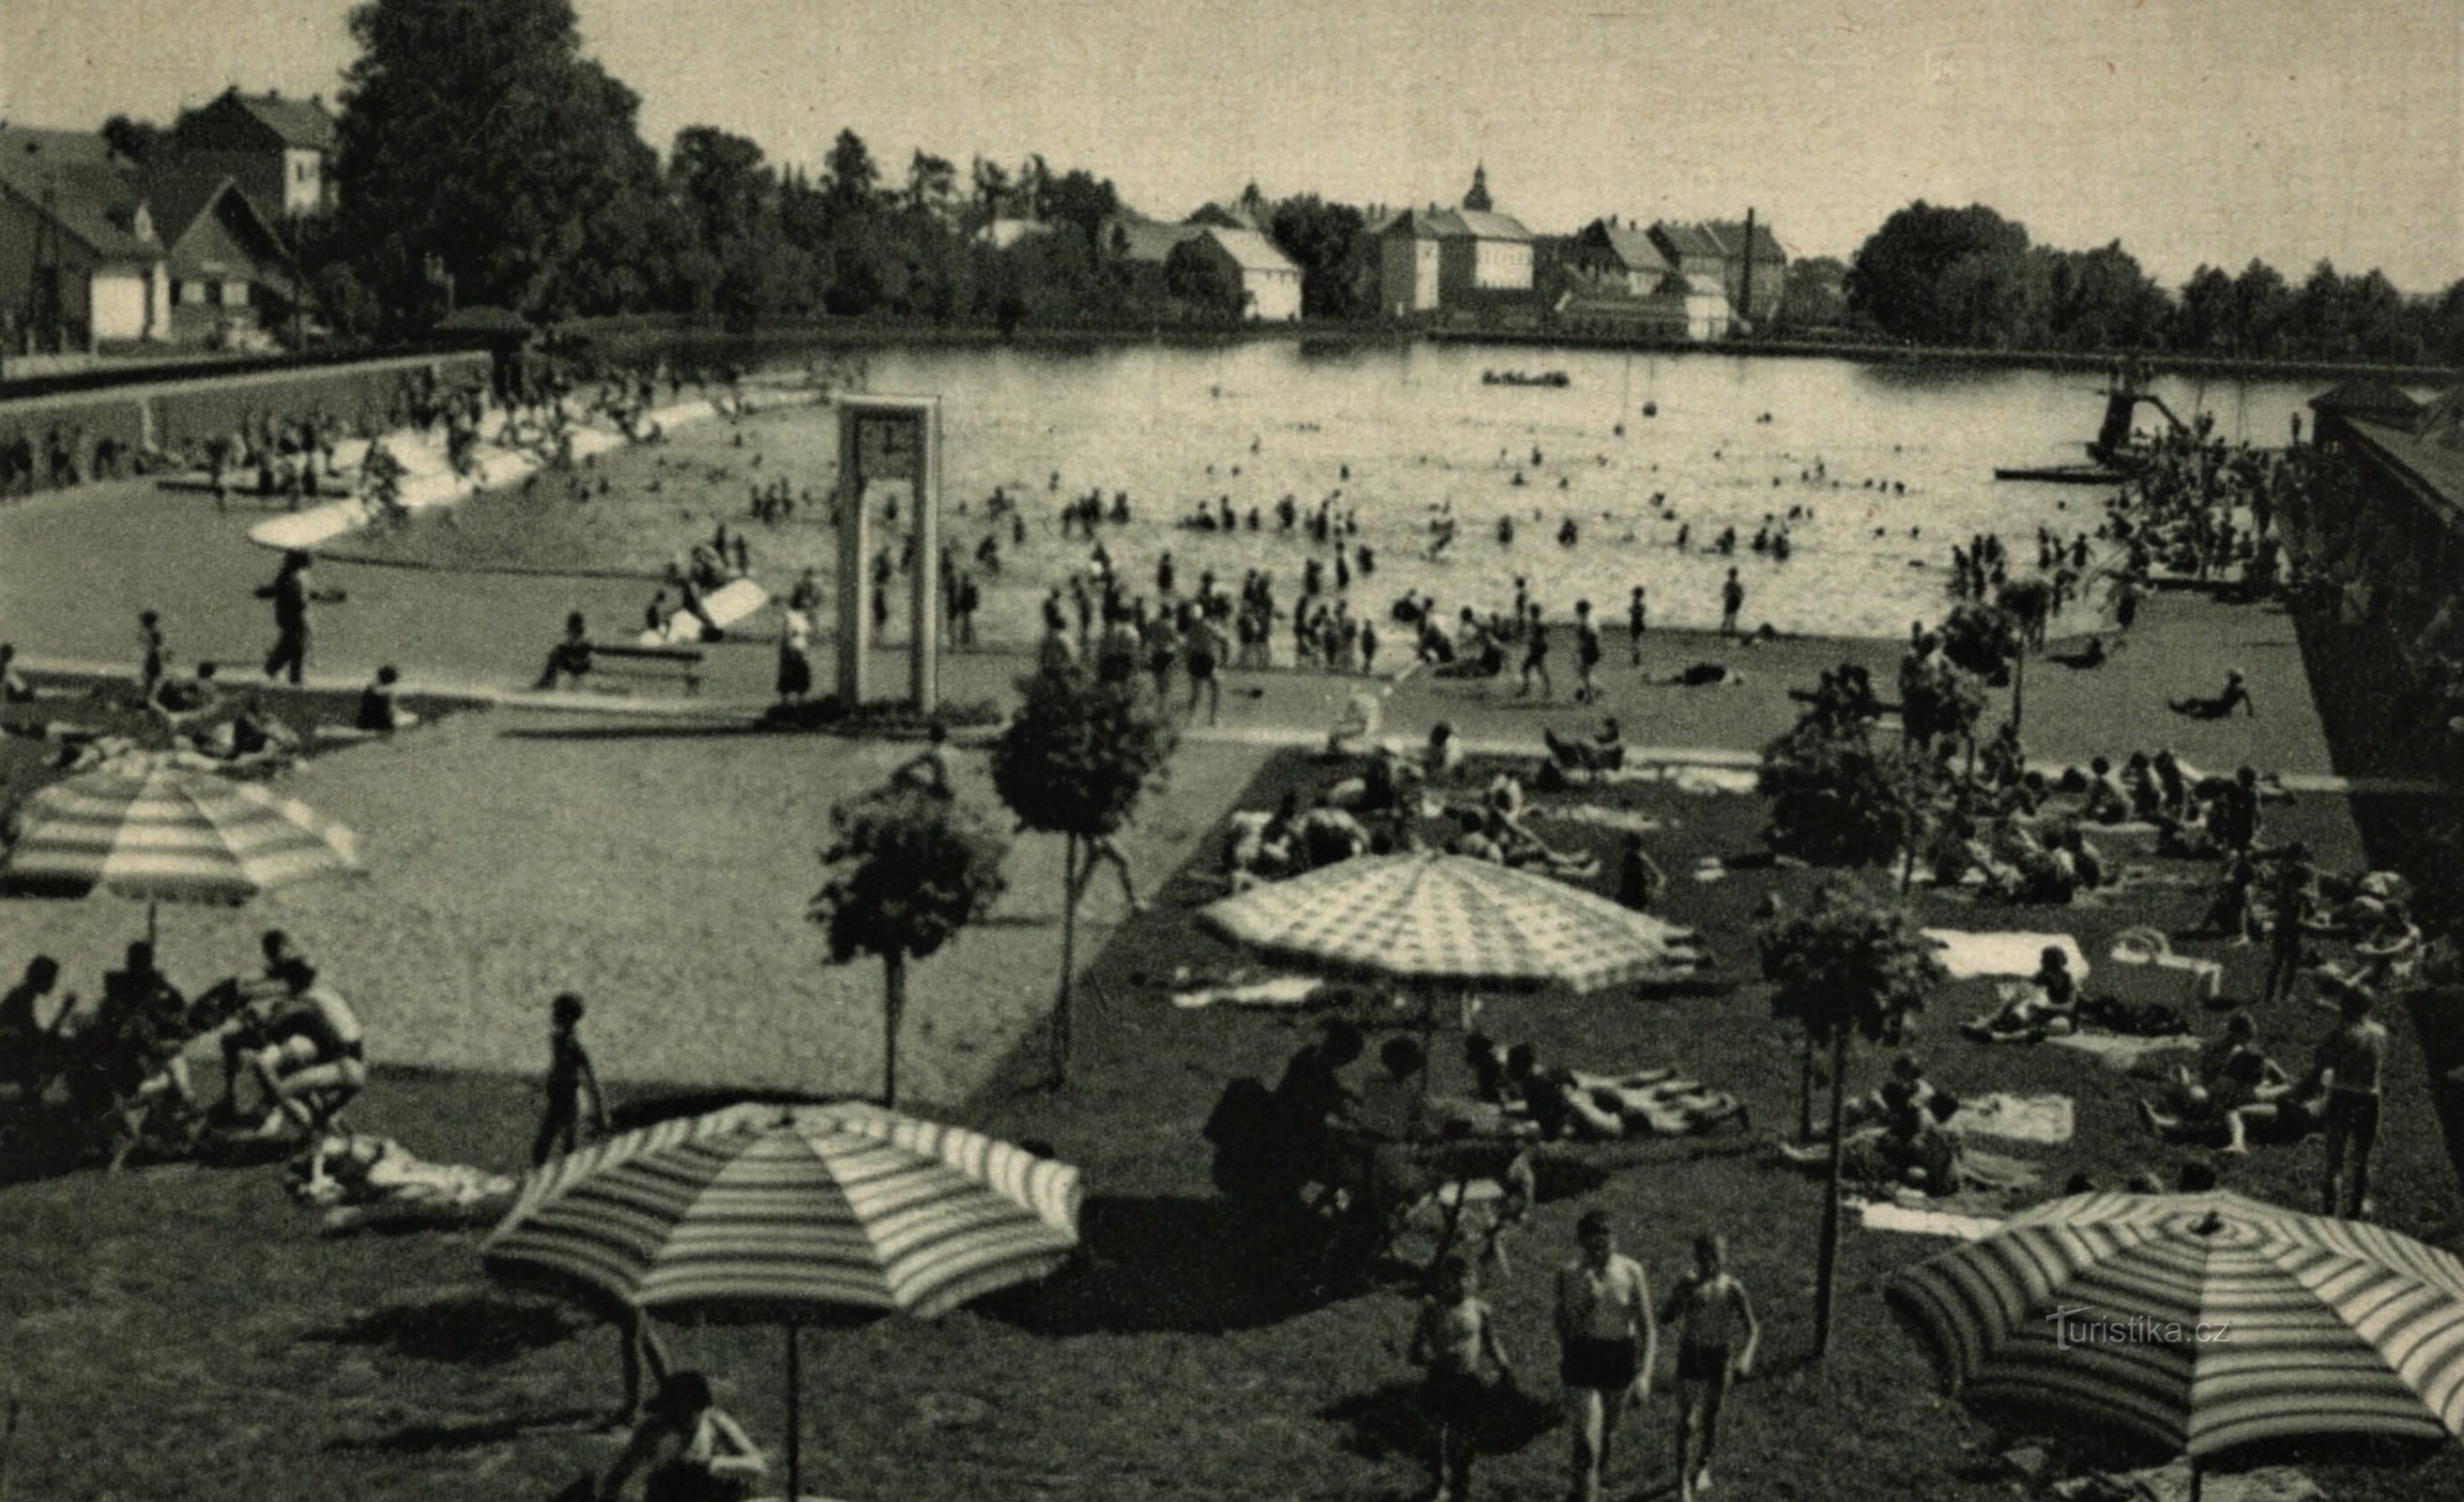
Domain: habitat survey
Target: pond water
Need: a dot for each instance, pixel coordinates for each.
(1402, 436)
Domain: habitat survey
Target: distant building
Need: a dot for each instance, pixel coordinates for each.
(1719, 250)
(1468, 259)
(1407, 265)
(1269, 283)
(279, 151)
(1135, 250)
(80, 262)
(1003, 234)
(1609, 257)
(233, 281)
(1769, 268)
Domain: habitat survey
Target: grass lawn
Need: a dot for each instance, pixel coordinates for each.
(184, 1332)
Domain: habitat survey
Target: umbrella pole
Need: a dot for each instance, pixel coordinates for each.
(795, 1416)
(152, 909)
(2195, 1478)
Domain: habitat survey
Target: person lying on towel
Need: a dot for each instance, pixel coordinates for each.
(2232, 1087)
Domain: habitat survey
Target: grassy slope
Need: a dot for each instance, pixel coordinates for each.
(184, 1332)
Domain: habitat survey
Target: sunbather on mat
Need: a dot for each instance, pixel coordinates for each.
(2231, 1090)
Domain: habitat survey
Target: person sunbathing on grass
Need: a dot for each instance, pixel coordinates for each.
(2234, 1086)
(1705, 675)
(2045, 1002)
(1522, 847)
(2234, 695)
(1604, 752)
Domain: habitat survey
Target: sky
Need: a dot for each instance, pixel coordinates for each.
(2192, 130)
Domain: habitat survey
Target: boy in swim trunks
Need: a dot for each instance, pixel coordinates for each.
(1710, 1310)
(1455, 1340)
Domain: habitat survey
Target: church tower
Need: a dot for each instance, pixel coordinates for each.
(1477, 200)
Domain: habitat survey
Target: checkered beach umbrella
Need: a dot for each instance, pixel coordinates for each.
(2200, 1322)
(791, 1212)
(1432, 920)
(166, 835)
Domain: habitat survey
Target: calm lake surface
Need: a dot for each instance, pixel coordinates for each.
(1907, 456)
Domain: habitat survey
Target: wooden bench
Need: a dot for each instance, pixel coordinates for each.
(650, 662)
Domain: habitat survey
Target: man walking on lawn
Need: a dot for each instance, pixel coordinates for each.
(1608, 1338)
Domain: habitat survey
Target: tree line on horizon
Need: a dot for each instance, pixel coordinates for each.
(481, 151)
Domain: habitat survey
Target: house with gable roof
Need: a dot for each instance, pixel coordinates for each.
(279, 151)
(1268, 282)
(80, 263)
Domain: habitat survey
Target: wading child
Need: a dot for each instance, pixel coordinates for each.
(1711, 1311)
(570, 1077)
(1457, 1340)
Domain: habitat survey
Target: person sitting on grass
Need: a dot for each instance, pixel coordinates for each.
(1639, 879)
(2045, 1002)
(28, 1044)
(180, 704)
(569, 658)
(2237, 1088)
(379, 712)
(314, 1061)
(1605, 752)
(1443, 757)
(1906, 1089)
(685, 1449)
(2234, 695)
(13, 687)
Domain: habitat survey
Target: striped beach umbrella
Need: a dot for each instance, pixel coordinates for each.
(2200, 1322)
(1435, 921)
(792, 1212)
(166, 835)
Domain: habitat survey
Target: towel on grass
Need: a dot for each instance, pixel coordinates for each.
(1621, 819)
(1282, 991)
(1706, 780)
(2121, 1053)
(2017, 1118)
(2171, 1482)
(1887, 1215)
(1968, 957)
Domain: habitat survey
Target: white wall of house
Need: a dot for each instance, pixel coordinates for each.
(303, 181)
(1407, 275)
(1502, 264)
(117, 297)
(1273, 297)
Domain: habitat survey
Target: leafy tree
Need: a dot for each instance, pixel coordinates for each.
(2261, 303)
(1192, 274)
(137, 140)
(1082, 202)
(850, 182)
(1814, 293)
(992, 188)
(1851, 966)
(2029, 603)
(909, 869)
(1944, 275)
(2203, 324)
(1332, 246)
(1075, 761)
(1840, 800)
(473, 133)
(1985, 639)
(933, 188)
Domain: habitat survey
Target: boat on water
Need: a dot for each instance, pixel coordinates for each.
(2064, 475)
(1552, 378)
